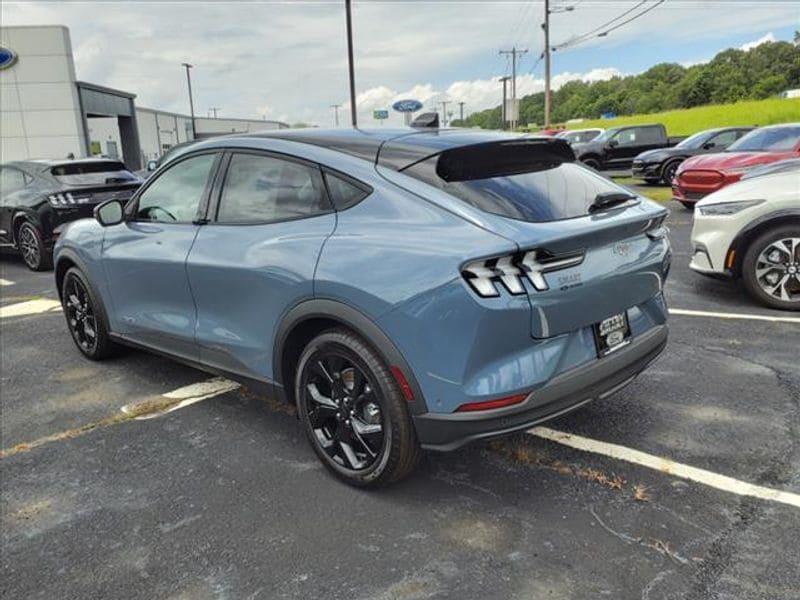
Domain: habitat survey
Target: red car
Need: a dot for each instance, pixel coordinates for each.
(701, 175)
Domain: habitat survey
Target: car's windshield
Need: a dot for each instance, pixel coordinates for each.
(771, 139)
(696, 140)
(93, 173)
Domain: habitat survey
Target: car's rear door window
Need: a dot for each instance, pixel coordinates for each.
(263, 188)
(560, 192)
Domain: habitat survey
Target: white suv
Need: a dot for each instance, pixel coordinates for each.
(751, 230)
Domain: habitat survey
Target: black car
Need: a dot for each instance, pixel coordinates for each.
(38, 196)
(660, 165)
(616, 148)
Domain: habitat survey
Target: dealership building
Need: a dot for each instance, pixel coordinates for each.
(46, 112)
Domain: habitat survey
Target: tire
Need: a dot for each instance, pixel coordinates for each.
(651, 181)
(83, 312)
(32, 249)
(344, 387)
(669, 170)
(760, 256)
(688, 205)
(592, 163)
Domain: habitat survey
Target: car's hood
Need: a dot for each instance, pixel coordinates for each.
(662, 153)
(727, 161)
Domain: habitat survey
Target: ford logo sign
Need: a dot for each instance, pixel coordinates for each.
(405, 106)
(7, 57)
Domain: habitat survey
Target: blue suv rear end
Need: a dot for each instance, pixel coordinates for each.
(407, 290)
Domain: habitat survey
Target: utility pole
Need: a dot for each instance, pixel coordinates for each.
(353, 109)
(503, 107)
(444, 112)
(336, 108)
(191, 100)
(461, 113)
(514, 53)
(546, 27)
(214, 110)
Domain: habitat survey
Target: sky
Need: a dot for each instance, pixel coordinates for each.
(288, 60)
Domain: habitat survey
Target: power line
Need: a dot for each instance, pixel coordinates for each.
(601, 31)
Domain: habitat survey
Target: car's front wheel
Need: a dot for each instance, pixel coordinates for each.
(85, 319)
(668, 174)
(771, 268)
(31, 246)
(592, 163)
(353, 411)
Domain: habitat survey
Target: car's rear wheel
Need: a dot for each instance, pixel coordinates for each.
(591, 163)
(353, 412)
(668, 173)
(32, 249)
(771, 268)
(85, 318)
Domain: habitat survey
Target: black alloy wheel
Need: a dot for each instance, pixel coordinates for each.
(85, 318)
(668, 174)
(31, 247)
(354, 414)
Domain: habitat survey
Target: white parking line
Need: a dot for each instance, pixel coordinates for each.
(720, 315)
(5, 282)
(665, 465)
(29, 307)
(186, 395)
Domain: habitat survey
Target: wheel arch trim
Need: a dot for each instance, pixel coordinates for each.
(347, 316)
(762, 223)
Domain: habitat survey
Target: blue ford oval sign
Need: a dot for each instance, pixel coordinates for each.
(7, 57)
(407, 106)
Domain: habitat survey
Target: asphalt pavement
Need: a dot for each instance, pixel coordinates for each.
(225, 499)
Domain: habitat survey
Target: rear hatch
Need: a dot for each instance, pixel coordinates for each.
(588, 248)
(88, 183)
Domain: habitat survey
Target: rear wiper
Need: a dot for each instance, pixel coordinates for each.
(609, 199)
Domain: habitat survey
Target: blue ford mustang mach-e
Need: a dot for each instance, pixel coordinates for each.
(406, 289)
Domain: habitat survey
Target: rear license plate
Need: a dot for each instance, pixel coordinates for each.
(611, 334)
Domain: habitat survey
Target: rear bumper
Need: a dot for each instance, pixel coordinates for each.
(597, 379)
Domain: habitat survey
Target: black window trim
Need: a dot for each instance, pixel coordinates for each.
(216, 195)
(132, 205)
(364, 187)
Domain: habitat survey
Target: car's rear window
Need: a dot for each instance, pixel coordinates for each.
(92, 173)
(560, 192)
(769, 139)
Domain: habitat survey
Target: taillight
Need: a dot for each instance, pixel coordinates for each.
(484, 275)
(66, 200)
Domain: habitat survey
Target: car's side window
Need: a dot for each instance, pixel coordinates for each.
(175, 196)
(626, 137)
(345, 193)
(260, 188)
(724, 139)
(11, 180)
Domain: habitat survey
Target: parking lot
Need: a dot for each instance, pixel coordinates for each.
(224, 497)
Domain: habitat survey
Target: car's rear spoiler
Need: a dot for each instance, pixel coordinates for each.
(501, 158)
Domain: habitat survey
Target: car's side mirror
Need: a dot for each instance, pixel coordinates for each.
(152, 165)
(709, 145)
(110, 212)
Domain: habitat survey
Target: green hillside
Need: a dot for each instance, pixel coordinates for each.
(691, 120)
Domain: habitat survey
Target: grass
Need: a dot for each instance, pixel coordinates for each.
(654, 192)
(691, 120)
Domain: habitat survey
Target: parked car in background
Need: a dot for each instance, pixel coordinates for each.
(405, 289)
(39, 196)
(662, 164)
(580, 136)
(616, 148)
(702, 175)
(751, 231)
(790, 164)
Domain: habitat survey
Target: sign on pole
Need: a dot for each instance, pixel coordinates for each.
(380, 115)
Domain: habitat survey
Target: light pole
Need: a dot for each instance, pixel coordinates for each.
(335, 108)
(191, 100)
(353, 110)
(461, 113)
